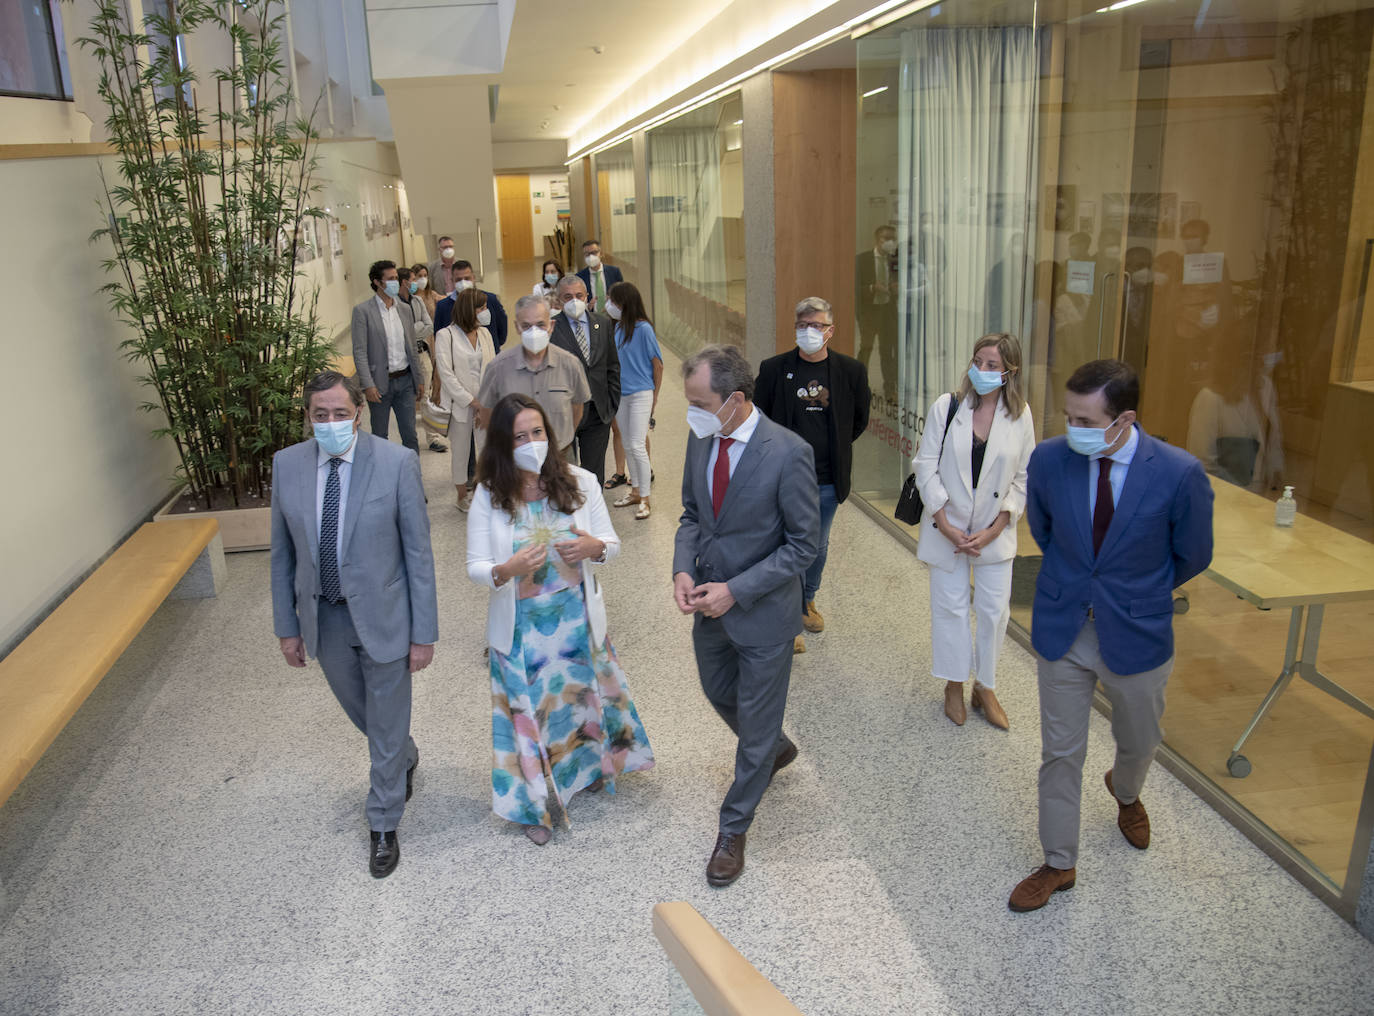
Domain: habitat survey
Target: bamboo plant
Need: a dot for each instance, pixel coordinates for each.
(204, 218)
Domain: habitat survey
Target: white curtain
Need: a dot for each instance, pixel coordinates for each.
(684, 189)
(966, 150)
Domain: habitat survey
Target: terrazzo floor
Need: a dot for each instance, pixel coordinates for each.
(194, 842)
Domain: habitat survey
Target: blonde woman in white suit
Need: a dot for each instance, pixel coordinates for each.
(561, 708)
(462, 351)
(973, 494)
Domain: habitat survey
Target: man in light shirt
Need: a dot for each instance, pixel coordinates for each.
(385, 356)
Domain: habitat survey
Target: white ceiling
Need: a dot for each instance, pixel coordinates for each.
(552, 46)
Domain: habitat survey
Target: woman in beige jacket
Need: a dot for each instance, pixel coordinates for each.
(462, 351)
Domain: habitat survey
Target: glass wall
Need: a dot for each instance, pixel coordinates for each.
(696, 198)
(1192, 193)
(615, 207)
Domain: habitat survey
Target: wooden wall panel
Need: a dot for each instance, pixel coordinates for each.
(814, 157)
(517, 219)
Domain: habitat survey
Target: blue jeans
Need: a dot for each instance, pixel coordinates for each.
(400, 398)
(811, 582)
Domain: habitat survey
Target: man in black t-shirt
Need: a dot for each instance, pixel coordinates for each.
(822, 396)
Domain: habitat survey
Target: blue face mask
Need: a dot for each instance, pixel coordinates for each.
(335, 437)
(414, 288)
(550, 278)
(984, 381)
(1090, 440)
(392, 287)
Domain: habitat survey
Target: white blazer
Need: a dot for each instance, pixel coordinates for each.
(1001, 484)
(491, 541)
(460, 368)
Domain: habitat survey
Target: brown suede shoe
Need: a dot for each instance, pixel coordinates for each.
(985, 700)
(727, 860)
(954, 702)
(1131, 819)
(811, 617)
(1034, 891)
(798, 646)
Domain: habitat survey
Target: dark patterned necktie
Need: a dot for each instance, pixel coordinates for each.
(1103, 509)
(329, 536)
(582, 342)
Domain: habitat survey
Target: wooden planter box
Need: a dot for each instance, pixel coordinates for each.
(240, 528)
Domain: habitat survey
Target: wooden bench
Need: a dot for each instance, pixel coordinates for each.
(44, 680)
(723, 982)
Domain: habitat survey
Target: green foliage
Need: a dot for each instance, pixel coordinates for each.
(203, 220)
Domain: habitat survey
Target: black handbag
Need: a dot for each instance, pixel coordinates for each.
(909, 506)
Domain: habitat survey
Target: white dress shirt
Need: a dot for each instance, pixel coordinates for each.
(1122, 459)
(741, 438)
(322, 477)
(396, 356)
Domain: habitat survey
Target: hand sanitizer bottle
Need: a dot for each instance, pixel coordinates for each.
(1285, 509)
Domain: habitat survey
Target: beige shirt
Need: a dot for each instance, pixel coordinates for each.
(557, 385)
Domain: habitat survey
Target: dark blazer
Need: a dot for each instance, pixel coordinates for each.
(1160, 537)
(443, 317)
(849, 399)
(369, 345)
(766, 537)
(603, 370)
(865, 274)
(613, 275)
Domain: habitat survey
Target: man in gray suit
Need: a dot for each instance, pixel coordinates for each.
(353, 585)
(750, 527)
(385, 357)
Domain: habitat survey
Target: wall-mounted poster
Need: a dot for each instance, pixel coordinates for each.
(335, 237)
(1087, 217)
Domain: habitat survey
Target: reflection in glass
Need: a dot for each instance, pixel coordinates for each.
(696, 189)
(615, 204)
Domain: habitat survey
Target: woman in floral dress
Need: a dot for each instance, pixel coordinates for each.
(561, 710)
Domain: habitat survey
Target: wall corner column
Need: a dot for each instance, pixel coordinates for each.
(760, 336)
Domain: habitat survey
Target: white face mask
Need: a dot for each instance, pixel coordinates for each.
(534, 339)
(889, 246)
(484, 317)
(612, 311)
(574, 309)
(705, 423)
(530, 455)
(446, 253)
(421, 283)
(463, 284)
(810, 340)
(593, 261)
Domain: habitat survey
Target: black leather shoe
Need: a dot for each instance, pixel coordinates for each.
(784, 758)
(727, 860)
(410, 775)
(385, 852)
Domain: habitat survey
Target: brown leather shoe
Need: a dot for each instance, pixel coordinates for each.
(798, 646)
(1034, 891)
(727, 860)
(985, 700)
(783, 758)
(1131, 819)
(811, 617)
(954, 702)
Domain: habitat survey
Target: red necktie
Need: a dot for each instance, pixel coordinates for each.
(720, 477)
(1103, 509)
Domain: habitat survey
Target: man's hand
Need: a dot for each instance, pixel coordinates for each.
(420, 657)
(682, 592)
(420, 394)
(712, 598)
(585, 546)
(372, 395)
(483, 417)
(294, 651)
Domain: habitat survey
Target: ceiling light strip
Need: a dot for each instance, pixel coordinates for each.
(868, 21)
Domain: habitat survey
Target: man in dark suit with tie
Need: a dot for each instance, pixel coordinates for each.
(877, 291)
(750, 527)
(596, 276)
(1123, 519)
(587, 335)
(353, 585)
(385, 356)
(465, 278)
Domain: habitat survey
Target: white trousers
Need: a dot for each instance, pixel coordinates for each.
(633, 417)
(460, 434)
(955, 652)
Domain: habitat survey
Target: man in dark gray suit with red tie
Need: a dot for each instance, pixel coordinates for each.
(750, 527)
(353, 585)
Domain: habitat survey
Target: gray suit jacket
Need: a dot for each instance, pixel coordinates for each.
(386, 570)
(369, 345)
(767, 535)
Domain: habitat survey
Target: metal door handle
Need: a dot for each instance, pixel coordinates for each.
(1102, 309)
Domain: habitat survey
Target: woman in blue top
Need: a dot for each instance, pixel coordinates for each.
(641, 373)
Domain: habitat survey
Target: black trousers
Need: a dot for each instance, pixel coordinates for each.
(590, 442)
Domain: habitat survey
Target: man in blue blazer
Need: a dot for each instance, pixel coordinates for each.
(353, 585)
(465, 278)
(599, 278)
(1123, 519)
